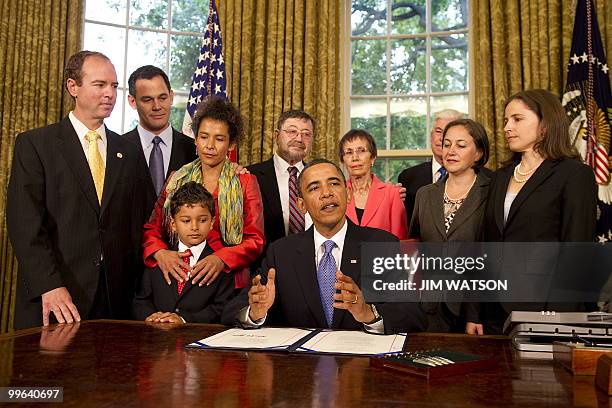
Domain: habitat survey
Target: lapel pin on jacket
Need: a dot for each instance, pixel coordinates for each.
(119, 155)
(353, 261)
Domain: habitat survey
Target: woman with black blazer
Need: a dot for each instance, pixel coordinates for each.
(452, 209)
(544, 193)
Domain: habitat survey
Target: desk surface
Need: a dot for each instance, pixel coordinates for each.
(131, 363)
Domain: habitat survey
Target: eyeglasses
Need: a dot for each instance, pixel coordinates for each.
(359, 151)
(293, 133)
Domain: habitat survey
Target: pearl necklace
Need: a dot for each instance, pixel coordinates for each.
(526, 175)
(459, 200)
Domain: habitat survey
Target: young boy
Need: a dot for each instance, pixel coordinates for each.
(192, 209)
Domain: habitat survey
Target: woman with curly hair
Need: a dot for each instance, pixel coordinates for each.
(237, 237)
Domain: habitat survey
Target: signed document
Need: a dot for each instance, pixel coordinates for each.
(266, 338)
(353, 342)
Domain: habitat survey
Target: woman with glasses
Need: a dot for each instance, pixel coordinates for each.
(373, 203)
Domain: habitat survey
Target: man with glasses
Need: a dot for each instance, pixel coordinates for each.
(277, 177)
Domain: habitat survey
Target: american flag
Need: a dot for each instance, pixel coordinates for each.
(209, 76)
(588, 103)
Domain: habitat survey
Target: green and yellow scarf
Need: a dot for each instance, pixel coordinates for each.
(229, 199)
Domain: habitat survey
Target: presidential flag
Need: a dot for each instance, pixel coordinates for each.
(588, 103)
(209, 76)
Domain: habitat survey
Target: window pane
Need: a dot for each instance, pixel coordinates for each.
(408, 17)
(189, 15)
(408, 66)
(368, 67)
(144, 48)
(388, 169)
(149, 13)
(113, 122)
(449, 63)
(107, 11)
(371, 115)
(369, 17)
(408, 124)
(108, 40)
(414, 74)
(456, 102)
(449, 15)
(177, 113)
(184, 53)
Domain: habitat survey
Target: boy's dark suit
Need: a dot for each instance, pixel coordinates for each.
(195, 304)
(59, 231)
(183, 152)
(298, 303)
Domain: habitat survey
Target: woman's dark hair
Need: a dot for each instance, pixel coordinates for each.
(554, 143)
(357, 134)
(478, 133)
(213, 107)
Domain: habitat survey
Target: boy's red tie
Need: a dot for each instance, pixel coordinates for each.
(186, 258)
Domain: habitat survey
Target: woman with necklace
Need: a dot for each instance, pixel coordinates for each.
(372, 203)
(452, 209)
(543, 193)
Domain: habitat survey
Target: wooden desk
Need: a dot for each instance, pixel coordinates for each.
(133, 364)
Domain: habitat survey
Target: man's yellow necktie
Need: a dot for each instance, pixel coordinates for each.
(96, 164)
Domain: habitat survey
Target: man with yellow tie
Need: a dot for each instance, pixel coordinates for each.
(76, 206)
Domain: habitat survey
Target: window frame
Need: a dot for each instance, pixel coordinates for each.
(346, 41)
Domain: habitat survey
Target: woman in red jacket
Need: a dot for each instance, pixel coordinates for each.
(373, 202)
(237, 236)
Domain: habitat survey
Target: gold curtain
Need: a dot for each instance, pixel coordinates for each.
(36, 39)
(282, 55)
(522, 44)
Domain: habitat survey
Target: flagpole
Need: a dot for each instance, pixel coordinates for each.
(591, 142)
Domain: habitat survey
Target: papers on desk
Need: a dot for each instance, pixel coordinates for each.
(266, 338)
(303, 341)
(353, 342)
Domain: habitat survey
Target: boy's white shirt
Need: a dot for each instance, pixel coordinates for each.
(196, 251)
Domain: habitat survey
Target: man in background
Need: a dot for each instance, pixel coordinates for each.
(277, 176)
(163, 148)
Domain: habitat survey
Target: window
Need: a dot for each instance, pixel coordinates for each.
(408, 60)
(132, 33)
